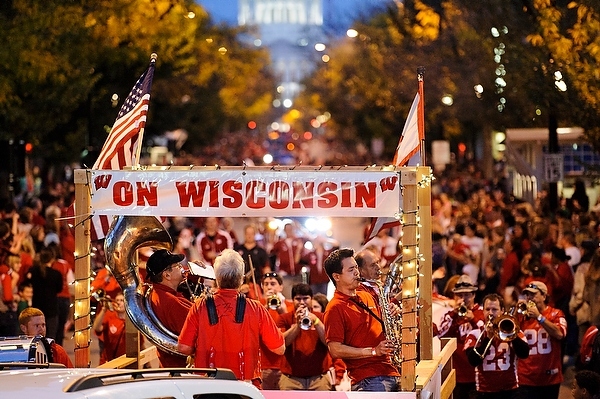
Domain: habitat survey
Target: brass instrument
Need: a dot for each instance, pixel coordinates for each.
(505, 327)
(522, 307)
(305, 322)
(273, 302)
(126, 235)
(462, 311)
(101, 296)
(392, 324)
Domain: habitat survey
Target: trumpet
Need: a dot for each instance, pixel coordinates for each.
(522, 307)
(305, 322)
(102, 297)
(462, 311)
(505, 327)
(274, 302)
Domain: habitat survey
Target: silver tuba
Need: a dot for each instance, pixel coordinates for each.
(126, 235)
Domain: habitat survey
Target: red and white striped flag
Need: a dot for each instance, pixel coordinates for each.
(120, 148)
(408, 153)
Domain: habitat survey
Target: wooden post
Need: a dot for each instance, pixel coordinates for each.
(410, 274)
(425, 251)
(82, 179)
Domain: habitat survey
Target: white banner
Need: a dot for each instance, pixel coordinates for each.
(246, 193)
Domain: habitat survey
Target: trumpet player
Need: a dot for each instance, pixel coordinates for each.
(307, 359)
(544, 327)
(276, 304)
(494, 352)
(458, 323)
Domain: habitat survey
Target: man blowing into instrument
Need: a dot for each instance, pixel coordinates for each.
(354, 328)
(544, 327)
(495, 359)
(165, 271)
(225, 329)
(458, 323)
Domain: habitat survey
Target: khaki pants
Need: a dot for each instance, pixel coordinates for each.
(270, 378)
(316, 383)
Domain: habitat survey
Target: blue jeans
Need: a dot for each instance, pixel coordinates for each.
(379, 383)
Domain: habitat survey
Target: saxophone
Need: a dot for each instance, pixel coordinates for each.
(392, 324)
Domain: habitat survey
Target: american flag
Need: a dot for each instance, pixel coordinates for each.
(120, 148)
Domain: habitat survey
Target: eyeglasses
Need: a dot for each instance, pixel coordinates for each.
(272, 274)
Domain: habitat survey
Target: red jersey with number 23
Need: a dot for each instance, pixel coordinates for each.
(498, 372)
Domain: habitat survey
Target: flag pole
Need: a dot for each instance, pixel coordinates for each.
(140, 141)
(421, 114)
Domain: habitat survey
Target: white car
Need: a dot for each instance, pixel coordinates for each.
(49, 383)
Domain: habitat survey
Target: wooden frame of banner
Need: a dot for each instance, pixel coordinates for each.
(416, 234)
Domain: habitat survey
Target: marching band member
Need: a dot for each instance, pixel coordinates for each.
(110, 323)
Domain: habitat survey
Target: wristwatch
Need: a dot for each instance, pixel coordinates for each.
(540, 318)
(373, 352)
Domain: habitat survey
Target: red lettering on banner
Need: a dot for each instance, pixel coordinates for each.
(346, 195)
(214, 193)
(303, 195)
(123, 193)
(232, 192)
(190, 191)
(253, 189)
(102, 181)
(365, 195)
(326, 192)
(147, 194)
(279, 194)
(388, 184)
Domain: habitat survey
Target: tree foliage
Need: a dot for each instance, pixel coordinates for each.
(497, 60)
(62, 63)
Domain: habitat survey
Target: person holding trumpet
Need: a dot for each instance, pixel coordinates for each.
(544, 327)
(494, 349)
(110, 324)
(458, 323)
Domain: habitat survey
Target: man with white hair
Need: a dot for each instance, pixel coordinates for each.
(225, 329)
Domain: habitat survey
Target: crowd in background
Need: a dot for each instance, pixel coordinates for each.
(478, 229)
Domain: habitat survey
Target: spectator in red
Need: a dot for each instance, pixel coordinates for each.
(511, 265)
(288, 253)
(64, 296)
(110, 323)
(322, 247)
(212, 241)
(33, 323)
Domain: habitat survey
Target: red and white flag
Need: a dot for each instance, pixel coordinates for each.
(120, 148)
(408, 153)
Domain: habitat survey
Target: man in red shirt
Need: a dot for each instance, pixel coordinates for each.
(354, 330)
(307, 359)
(495, 360)
(165, 271)
(225, 329)
(33, 323)
(272, 287)
(110, 323)
(212, 241)
(458, 323)
(540, 375)
(288, 252)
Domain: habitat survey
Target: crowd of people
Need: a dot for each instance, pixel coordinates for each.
(495, 258)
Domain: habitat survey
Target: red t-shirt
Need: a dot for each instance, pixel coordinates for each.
(498, 372)
(113, 333)
(268, 359)
(59, 355)
(544, 364)
(348, 323)
(458, 327)
(171, 308)
(215, 245)
(229, 344)
(286, 255)
(307, 356)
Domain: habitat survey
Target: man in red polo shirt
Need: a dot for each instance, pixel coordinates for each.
(353, 328)
(165, 272)
(307, 359)
(225, 329)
